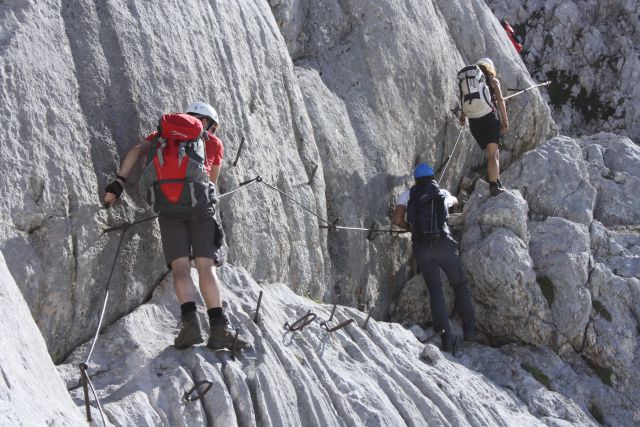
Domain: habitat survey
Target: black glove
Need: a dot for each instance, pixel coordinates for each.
(212, 194)
(115, 187)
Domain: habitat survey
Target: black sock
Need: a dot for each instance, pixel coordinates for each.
(188, 307)
(215, 314)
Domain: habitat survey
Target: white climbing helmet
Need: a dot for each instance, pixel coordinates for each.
(486, 61)
(203, 109)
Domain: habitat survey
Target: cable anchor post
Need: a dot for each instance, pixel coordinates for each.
(366, 322)
(85, 388)
(255, 317)
(235, 162)
(313, 174)
(372, 230)
(338, 326)
(299, 324)
(187, 394)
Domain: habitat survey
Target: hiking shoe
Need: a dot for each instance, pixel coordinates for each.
(221, 336)
(191, 332)
(450, 343)
(475, 336)
(500, 186)
(495, 190)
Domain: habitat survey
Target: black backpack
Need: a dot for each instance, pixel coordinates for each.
(426, 212)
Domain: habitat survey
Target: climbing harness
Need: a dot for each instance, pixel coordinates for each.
(520, 92)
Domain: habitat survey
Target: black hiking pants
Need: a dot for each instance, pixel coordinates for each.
(431, 257)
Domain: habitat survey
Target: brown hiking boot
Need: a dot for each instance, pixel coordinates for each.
(495, 189)
(221, 336)
(191, 332)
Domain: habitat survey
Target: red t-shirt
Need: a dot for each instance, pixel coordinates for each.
(213, 148)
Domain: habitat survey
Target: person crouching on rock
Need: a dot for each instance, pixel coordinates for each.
(482, 106)
(181, 170)
(425, 207)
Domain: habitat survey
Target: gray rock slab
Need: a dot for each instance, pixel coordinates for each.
(560, 251)
(31, 390)
(554, 180)
(589, 50)
(350, 377)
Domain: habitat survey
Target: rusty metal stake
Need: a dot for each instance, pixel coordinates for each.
(255, 318)
(313, 174)
(333, 310)
(187, 394)
(234, 346)
(299, 324)
(85, 387)
(339, 326)
(235, 162)
(370, 236)
(366, 322)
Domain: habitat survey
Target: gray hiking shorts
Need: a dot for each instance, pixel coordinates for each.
(197, 236)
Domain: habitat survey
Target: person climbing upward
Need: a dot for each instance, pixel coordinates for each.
(182, 168)
(482, 101)
(423, 209)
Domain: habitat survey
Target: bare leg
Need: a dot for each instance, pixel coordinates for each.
(209, 282)
(493, 162)
(182, 283)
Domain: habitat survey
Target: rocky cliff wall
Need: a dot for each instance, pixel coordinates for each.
(29, 377)
(589, 51)
(358, 92)
(379, 83)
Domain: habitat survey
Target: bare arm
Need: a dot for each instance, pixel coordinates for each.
(214, 173)
(128, 163)
(502, 109)
(398, 217)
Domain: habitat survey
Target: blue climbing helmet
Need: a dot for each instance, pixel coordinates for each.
(422, 170)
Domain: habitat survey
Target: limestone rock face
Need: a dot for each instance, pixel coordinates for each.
(372, 112)
(589, 51)
(71, 115)
(560, 251)
(579, 250)
(28, 374)
(555, 181)
(510, 304)
(331, 102)
(380, 376)
(614, 162)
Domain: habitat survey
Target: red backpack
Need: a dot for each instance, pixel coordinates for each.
(512, 35)
(175, 180)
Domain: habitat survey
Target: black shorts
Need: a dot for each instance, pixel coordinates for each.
(194, 237)
(486, 129)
